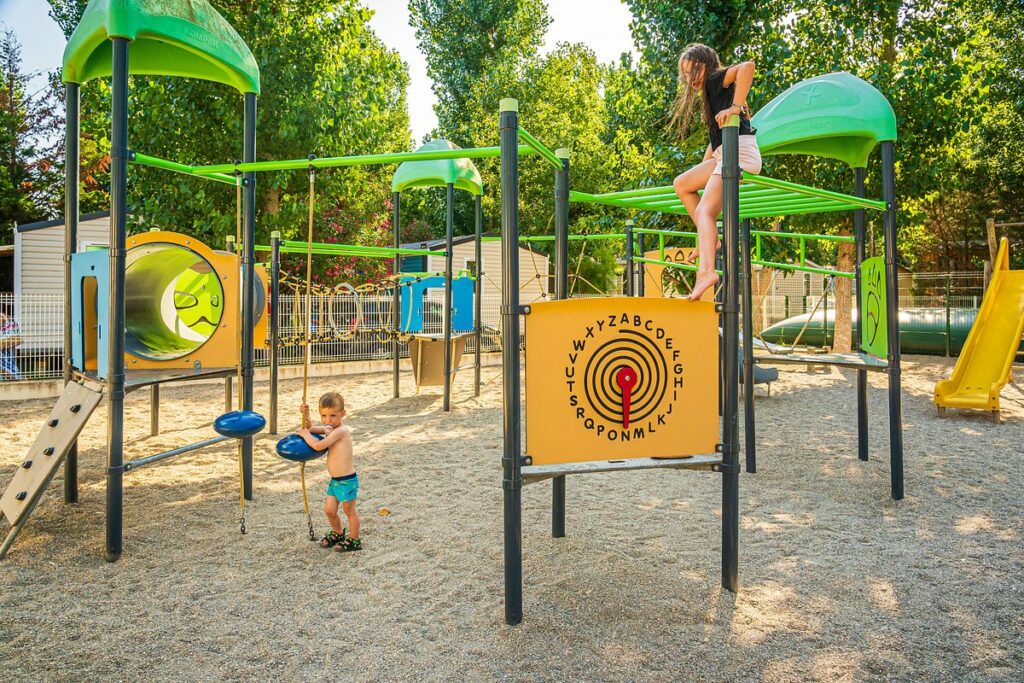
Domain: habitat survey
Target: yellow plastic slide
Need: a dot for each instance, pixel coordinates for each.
(985, 362)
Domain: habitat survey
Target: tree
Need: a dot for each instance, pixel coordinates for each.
(313, 57)
(29, 151)
(467, 41)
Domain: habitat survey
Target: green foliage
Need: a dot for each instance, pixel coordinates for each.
(468, 41)
(329, 88)
(29, 122)
(488, 51)
(940, 63)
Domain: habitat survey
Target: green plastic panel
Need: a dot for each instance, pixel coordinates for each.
(838, 116)
(438, 172)
(873, 303)
(185, 38)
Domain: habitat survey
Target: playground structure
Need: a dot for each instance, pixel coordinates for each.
(140, 332)
(985, 364)
(621, 369)
(632, 375)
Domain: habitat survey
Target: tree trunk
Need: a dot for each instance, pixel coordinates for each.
(843, 339)
(272, 201)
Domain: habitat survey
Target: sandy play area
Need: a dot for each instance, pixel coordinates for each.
(838, 582)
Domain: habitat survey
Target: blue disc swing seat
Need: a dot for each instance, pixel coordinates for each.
(293, 447)
(238, 424)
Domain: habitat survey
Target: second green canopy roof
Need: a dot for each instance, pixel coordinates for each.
(461, 173)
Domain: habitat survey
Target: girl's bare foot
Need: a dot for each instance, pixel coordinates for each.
(704, 281)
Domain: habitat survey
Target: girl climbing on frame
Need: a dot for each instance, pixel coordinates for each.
(723, 91)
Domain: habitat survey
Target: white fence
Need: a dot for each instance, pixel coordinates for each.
(40, 319)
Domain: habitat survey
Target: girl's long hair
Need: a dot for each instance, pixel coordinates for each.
(703, 61)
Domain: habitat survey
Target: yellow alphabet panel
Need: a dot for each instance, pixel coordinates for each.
(618, 378)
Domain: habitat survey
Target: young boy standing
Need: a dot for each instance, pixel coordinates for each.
(344, 486)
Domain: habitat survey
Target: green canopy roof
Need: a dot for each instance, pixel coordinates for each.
(169, 38)
(837, 115)
(438, 173)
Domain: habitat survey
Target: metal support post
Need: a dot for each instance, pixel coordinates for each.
(72, 104)
(730, 404)
(512, 503)
(892, 302)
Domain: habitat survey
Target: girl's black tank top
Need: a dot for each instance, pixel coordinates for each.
(719, 98)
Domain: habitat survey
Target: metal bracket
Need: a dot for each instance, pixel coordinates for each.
(508, 310)
(526, 461)
(725, 449)
(524, 310)
(726, 468)
(719, 308)
(727, 308)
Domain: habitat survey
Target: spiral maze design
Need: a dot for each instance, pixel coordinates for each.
(630, 349)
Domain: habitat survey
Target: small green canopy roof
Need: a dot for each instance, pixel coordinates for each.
(837, 115)
(169, 38)
(437, 173)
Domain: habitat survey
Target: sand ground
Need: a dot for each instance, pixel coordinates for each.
(838, 582)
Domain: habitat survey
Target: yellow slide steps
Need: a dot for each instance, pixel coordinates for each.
(985, 363)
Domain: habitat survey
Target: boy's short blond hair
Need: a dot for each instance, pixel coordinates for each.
(332, 399)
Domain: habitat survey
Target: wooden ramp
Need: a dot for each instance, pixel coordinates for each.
(59, 432)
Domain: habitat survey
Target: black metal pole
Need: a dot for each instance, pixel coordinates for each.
(512, 474)
(893, 305)
(396, 293)
(749, 429)
(641, 272)
(72, 103)
(115, 327)
(478, 292)
(859, 223)
(561, 292)
(730, 427)
(627, 285)
(248, 278)
(275, 330)
(449, 247)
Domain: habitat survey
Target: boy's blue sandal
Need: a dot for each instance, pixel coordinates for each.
(332, 539)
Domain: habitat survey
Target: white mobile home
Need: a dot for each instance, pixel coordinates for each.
(39, 275)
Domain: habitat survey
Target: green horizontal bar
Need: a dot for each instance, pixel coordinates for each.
(548, 155)
(813, 191)
(626, 194)
(800, 235)
(359, 160)
(802, 269)
(826, 207)
(157, 162)
(296, 247)
(784, 188)
(667, 233)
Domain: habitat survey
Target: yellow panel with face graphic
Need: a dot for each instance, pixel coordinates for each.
(618, 378)
(182, 304)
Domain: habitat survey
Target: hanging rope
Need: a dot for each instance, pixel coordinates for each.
(305, 501)
(238, 339)
(309, 308)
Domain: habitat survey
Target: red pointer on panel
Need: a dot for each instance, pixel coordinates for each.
(626, 378)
